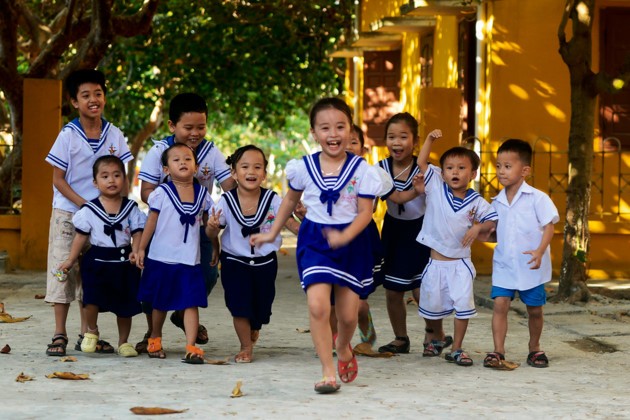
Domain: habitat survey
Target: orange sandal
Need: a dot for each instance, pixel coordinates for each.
(154, 348)
(349, 369)
(194, 356)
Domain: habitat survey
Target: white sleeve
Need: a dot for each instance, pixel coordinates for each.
(81, 221)
(432, 179)
(59, 155)
(156, 199)
(151, 170)
(123, 149)
(137, 219)
(387, 183)
(371, 182)
(222, 170)
(546, 210)
(296, 172)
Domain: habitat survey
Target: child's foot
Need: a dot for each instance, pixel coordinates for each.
(243, 356)
(89, 342)
(141, 346)
(459, 357)
(399, 345)
(254, 336)
(327, 385)
(155, 348)
(102, 346)
(537, 359)
(127, 350)
(57, 347)
(194, 356)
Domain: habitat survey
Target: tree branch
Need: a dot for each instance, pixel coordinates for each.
(8, 43)
(136, 24)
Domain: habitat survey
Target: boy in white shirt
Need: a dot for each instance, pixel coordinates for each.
(454, 217)
(521, 259)
(78, 145)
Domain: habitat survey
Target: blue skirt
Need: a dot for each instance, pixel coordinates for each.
(172, 287)
(405, 258)
(110, 281)
(349, 266)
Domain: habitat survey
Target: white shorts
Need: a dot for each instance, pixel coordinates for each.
(60, 238)
(447, 286)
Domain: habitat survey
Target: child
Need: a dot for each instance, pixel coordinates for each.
(455, 215)
(522, 259)
(187, 122)
(172, 277)
(405, 258)
(248, 273)
(338, 189)
(110, 282)
(72, 156)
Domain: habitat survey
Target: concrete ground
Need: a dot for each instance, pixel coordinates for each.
(587, 378)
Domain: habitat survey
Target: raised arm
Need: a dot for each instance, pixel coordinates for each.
(425, 151)
(284, 212)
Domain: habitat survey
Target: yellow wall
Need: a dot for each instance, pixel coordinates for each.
(445, 52)
(373, 10)
(42, 123)
(410, 74)
(10, 239)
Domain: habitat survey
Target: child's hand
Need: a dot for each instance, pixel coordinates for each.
(434, 135)
(132, 258)
(418, 183)
(300, 211)
(140, 259)
(65, 266)
(471, 235)
(488, 236)
(336, 238)
(536, 259)
(213, 220)
(261, 238)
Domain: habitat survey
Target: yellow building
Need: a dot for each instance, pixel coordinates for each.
(484, 71)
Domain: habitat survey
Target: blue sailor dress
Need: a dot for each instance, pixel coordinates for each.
(172, 278)
(110, 281)
(332, 203)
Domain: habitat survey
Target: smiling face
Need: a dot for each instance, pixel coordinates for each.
(90, 100)
(190, 129)
(511, 171)
(400, 141)
(354, 144)
(331, 129)
(250, 171)
(109, 179)
(181, 165)
(457, 172)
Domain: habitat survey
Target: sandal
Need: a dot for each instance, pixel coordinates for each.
(493, 359)
(459, 357)
(102, 346)
(394, 348)
(349, 369)
(202, 332)
(127, 350)
(141, 346)
(194, 356)
(89, 342)
(434, 347)
(538, 359)
(155, 348)
(57, 346)
(370, 336)
(327, 386)
(243, 357)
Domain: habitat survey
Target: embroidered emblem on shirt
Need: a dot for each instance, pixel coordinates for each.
(112, 149)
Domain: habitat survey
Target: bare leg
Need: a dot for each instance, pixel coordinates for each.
(61, 316)
(244, 332)
(500, 323)
(347, 308)
(333, 321)
(364, 320)
(124, 328)
(318, 298)
(461, 325)
(157, 323)
(397, 312)
(191, 324)
(535, 324)
(91, 317)
(84, 318)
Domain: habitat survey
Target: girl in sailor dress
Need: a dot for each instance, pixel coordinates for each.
(248, 273)
(333, 250)
(172, 278)
(110, 277)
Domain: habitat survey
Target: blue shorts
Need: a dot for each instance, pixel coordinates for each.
(532, 297)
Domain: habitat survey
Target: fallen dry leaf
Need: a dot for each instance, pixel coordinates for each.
(217, 362)
(365, 349)
(6, 349)
(303, 330)
(502, 364)
(154, 410)
(284, 251)
(1, 308)
(236, 392)
(40, 296)
(67, 359)
(68, 375)
(23, 378)
(5, 317)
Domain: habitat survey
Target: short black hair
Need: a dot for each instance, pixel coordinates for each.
(104, 160)
(184, 103)
(461, 151)
(328, 103)
(79, 77)
(520, 147)
(360, 134)
(233, 159)
(164, 158)
(408, 119)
